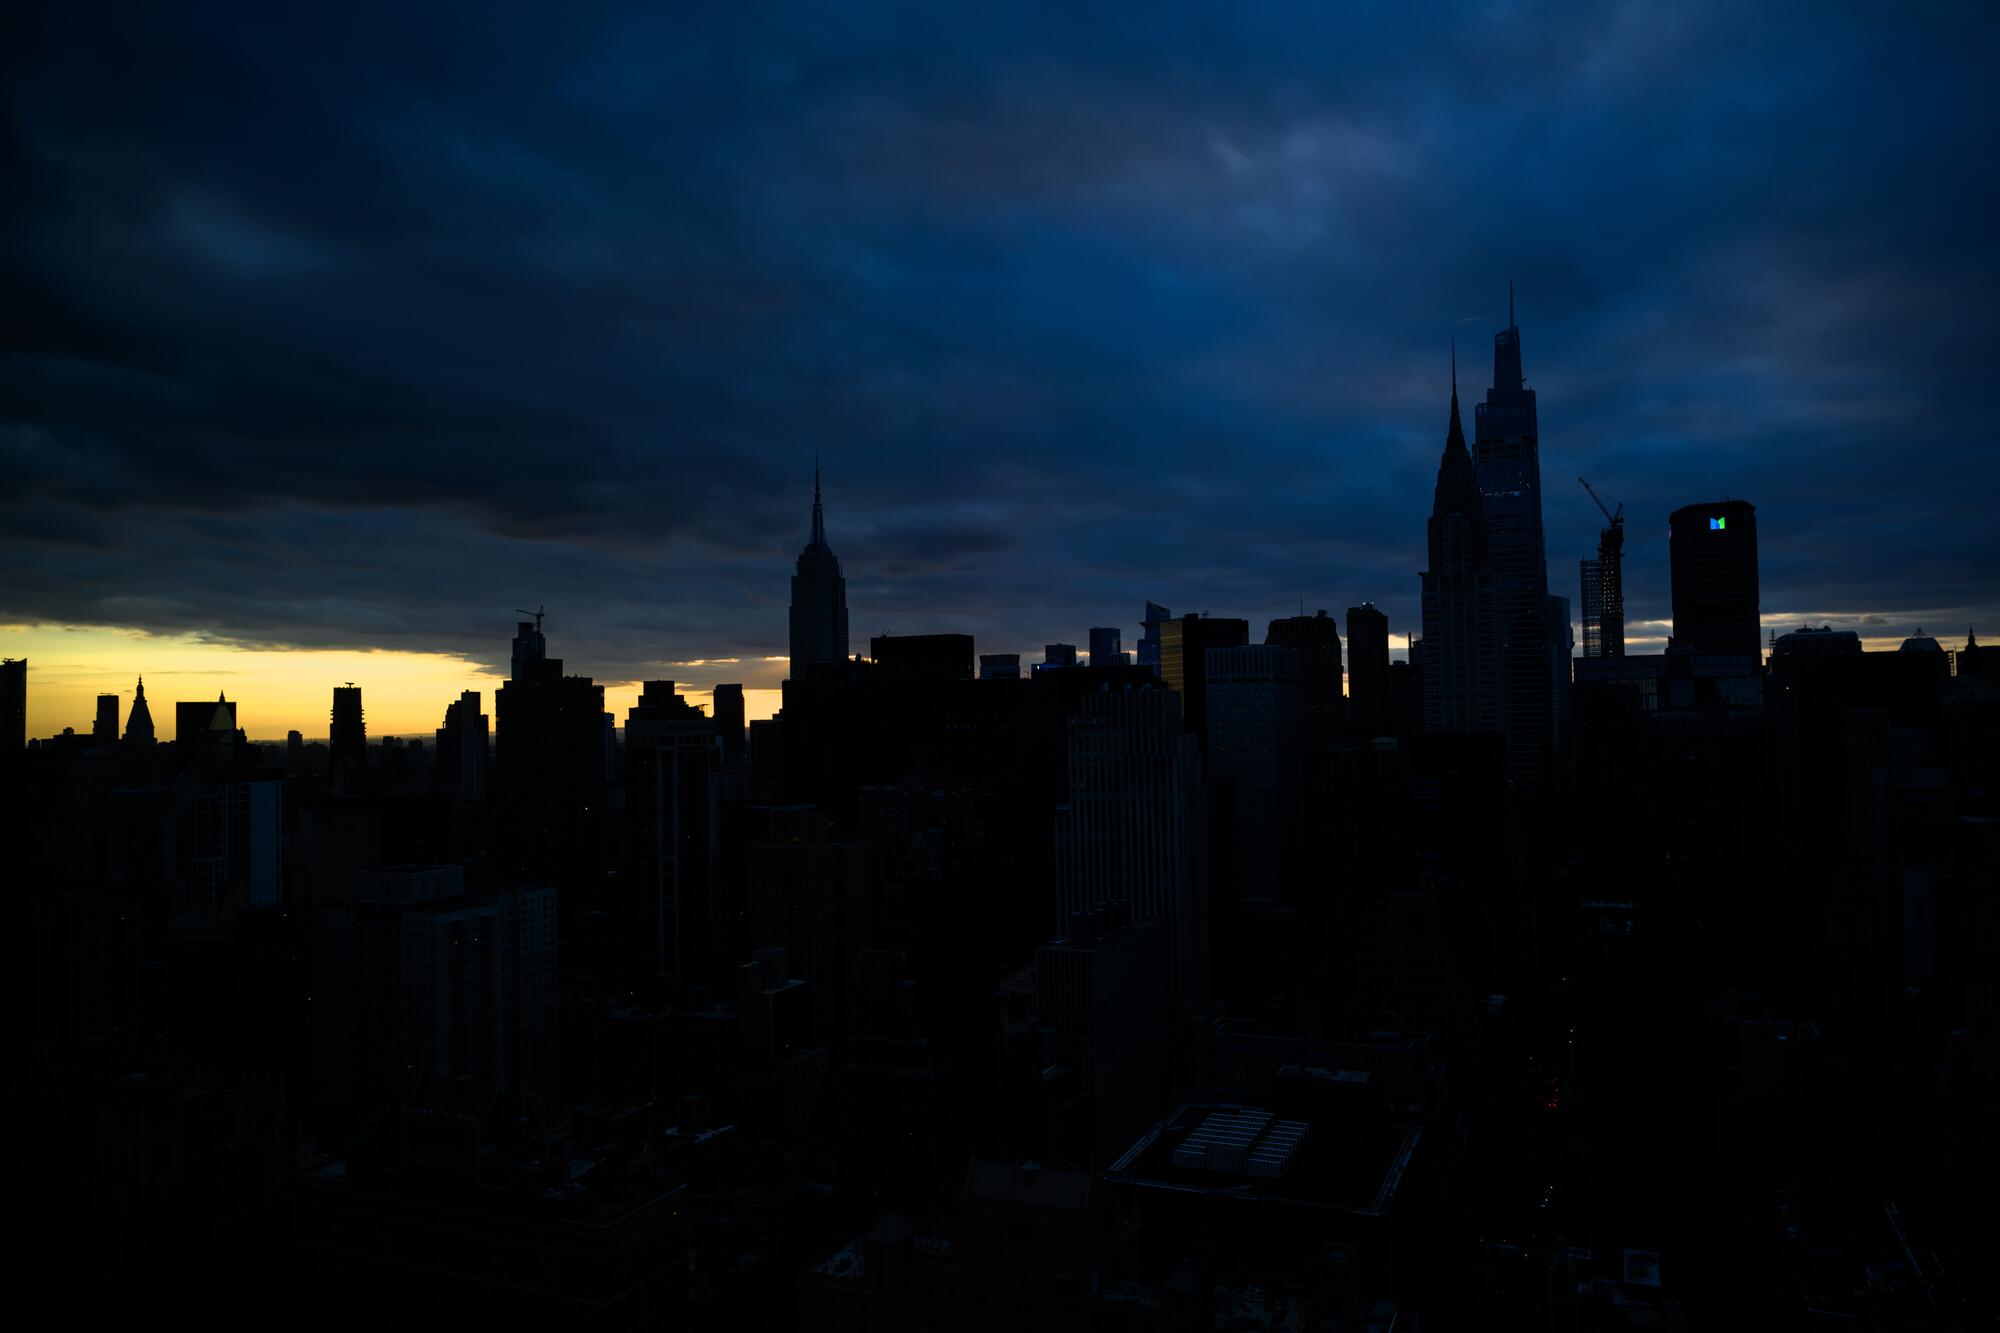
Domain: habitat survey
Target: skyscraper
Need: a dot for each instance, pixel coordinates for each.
(1507, 462)
(1256, 723)
(1135, 828)
(1104, 647)
(1316, 639)
(1461, 692)
(1603, 603)
(549, 781)
(729, 716)
(104, 731)
(1368, 669)
(348, 739)
(819, 599)
(1184, 644)
(462, 747)
(1712, 549)
(1149, 635)
(14, 704)
(670, 831)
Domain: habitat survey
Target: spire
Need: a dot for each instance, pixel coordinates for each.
(139, 726)
(1454, 436)
(819, 514)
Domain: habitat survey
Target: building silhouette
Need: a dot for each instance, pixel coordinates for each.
(729, 722)
(670, 794)
(1135, 829)
(1185, 642)
(347, 741)
(104, 729)
(1316, 639)
(1507, 463)
(463, 749)
(999, 666)
(1149, 635)
(550, 779)
(1367, 669)
(1105, 649)
(1713, 556)
(14, 703)
(139, 723)
(1461, 663)
(819, 599)
(1603, 588)
(1257, 729)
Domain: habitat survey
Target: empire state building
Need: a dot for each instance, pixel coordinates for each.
(819, 599)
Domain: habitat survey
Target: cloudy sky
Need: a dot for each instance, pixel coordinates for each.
(357, 331)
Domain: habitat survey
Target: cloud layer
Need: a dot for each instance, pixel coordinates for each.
(364, 331)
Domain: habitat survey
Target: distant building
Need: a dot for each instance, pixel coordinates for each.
(1713, 555)
(670, 796)
(729, 722)
(1135, 829)
(104, 730)
(139, 724)
(1256, 733)
(1185, 642)
(1316, 639)
(1506, 453)
(1058, 656)
(999, 666)
(1367, 669)
(463, 749)
(548, 781)
(1461, 669)
(1149, 635)
(14, 704)
(819, 599)
(1105, 649)
(348, 740)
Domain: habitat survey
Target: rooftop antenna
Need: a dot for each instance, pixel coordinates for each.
(537, 613)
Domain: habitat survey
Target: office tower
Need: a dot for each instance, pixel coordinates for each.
(1256, 727)
(549, 781)
(1712, 551)
(1184, 644)
(923, 656)
(1603, 589)
(1507, 463)
(462, 748)
(1461, 692)
(1149, 635)
(139, 723)
(999, 666)
(670, 834)
(1562, 651)
(419, 987)
(1316, 639)
(14, 704)
(1135, 829)
(206, 734)
(348, 740)
(104, 730)
(1057, 655)
(1105, 649)
(1100, 987)
(1368, 669)
(729, 715)
(819, 599)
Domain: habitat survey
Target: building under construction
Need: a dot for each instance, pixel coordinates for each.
(1604, 586)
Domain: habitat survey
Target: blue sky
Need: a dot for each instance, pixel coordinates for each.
(361, 329)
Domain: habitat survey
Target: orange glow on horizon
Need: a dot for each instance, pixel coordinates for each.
(276, 689)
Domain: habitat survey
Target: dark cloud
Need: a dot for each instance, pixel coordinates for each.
(364, 330)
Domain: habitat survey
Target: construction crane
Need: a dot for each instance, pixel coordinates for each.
(537, 613)
(1617, 519)
(1604, 584)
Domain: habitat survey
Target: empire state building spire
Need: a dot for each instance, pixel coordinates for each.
(819, 597)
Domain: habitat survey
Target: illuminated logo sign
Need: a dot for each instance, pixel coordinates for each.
(1717, 524)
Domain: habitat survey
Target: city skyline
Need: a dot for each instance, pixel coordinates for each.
(1194, 352)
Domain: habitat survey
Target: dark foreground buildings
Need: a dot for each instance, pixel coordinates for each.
(1187, 992)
